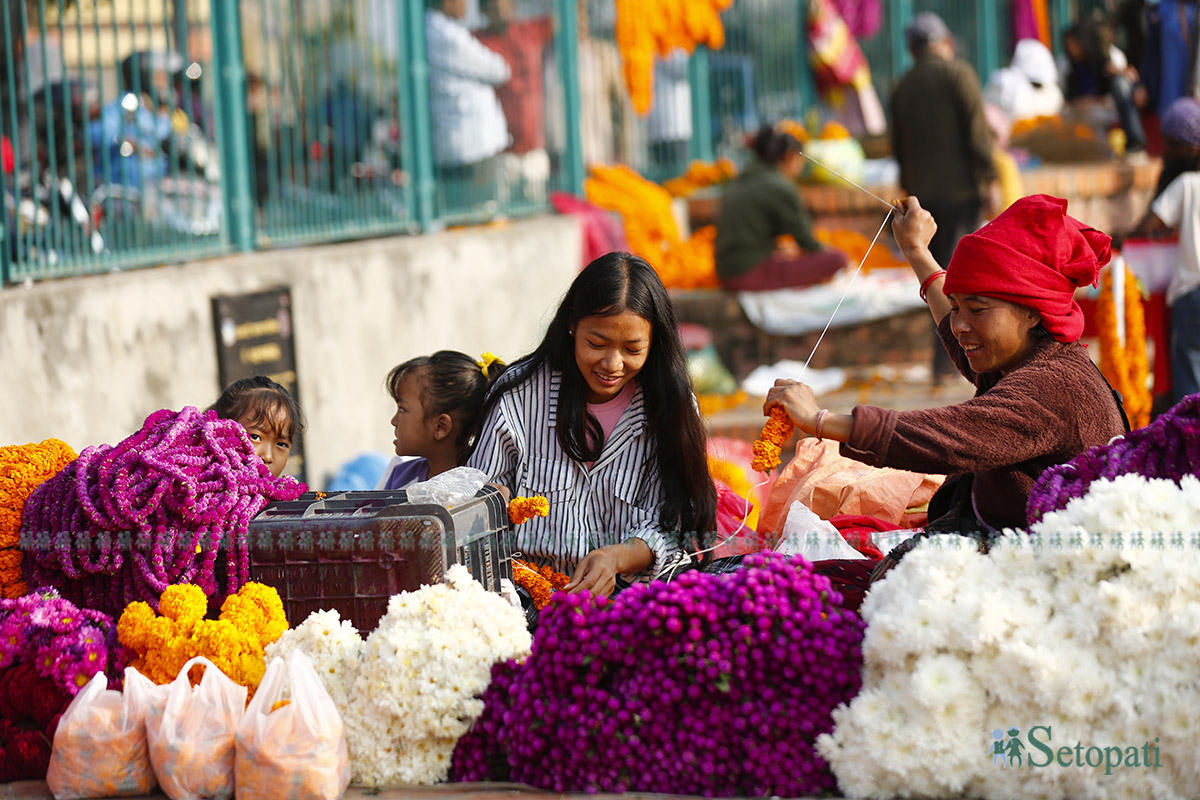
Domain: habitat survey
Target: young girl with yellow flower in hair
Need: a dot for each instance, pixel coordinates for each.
(439, 403)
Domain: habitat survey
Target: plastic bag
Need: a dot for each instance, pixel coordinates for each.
(297, 751)
(100, 745)
(452, 486)
(806, 534)
(191, 734)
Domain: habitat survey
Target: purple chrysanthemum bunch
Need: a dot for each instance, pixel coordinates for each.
(713, 685)
(1169, 447)
(64, 643)
(123, 523)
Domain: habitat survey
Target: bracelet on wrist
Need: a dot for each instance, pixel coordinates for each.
(820, 427)
(925, 284)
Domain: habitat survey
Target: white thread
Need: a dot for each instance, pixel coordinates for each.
(838, 307)
(847, 180)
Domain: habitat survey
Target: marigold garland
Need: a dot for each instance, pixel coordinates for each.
(23, 468)
(858, 248)
(701, 175)
(649, 27)
(1126, 366)
(650, 228)
(523, 509)
(715, 403)
(235, 641)
(769, 445)
(541, 582)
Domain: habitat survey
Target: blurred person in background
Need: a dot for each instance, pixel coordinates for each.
(941, 140)
(1093, 67)
(670, 118)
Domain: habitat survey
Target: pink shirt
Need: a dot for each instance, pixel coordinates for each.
(607, 414)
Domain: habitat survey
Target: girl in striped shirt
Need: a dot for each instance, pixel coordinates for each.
(600, 420)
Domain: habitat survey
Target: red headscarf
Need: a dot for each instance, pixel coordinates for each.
(1034, 255)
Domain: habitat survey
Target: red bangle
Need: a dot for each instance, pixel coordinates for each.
(941, 273)
(821, 415)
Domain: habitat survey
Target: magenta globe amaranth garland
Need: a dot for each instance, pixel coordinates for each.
(715, 685)
(122, 523)
(1169, 447)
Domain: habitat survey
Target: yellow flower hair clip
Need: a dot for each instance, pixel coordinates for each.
(523, 509)
(486, 360)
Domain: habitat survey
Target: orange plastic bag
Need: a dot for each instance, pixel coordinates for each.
(297, 751)
(191, 734)
(831, 484)
(100, 745)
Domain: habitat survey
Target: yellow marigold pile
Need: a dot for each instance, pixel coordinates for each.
(523, 509)
(737, 480)
(249, 621)
(646, 28)
(645, 210)
(769, 445)
(540, 582)
(714, 403)
(23, 468)
(796, 129)
(1126, 366)
(857, 247)
(701, 175)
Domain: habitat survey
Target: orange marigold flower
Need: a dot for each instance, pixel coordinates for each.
(522, 509)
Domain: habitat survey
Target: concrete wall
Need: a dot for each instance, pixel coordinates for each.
(87, 359)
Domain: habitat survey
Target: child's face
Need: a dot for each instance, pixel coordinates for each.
(271, 442)
(414, 431)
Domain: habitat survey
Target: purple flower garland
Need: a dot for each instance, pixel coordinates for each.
(714, 685)
(1169, 447)
(122, 523)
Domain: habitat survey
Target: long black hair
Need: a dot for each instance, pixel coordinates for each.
(452, 383)
(260, 400)
(614, 284)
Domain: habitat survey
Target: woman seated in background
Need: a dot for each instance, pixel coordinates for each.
(600, 420)
(1006, 313)
(760, 205)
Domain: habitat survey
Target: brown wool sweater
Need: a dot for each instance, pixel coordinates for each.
(1048, 410)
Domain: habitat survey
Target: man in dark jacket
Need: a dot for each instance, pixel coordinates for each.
(942, 143)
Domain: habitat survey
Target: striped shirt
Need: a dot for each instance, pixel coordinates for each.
(614, 500)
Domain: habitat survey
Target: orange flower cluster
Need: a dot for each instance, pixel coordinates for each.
(713, 403)
(779, 429)
(523, 509)
(796, 129)
(701, 175)
(646, 28)
(540, 582)
(738, 481)
(834, 130)
(23, 468)
(235, 641)
(857, 247)
(645, 210)
(1054, 125)
(1126, 366)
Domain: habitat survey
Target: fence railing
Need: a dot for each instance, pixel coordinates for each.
(141, 132)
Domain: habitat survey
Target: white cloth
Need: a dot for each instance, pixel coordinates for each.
(671, 114)
(468, 122)
(1179, 207)
(821, 381)
(1029, 86)
(615, 500)
(873, 295)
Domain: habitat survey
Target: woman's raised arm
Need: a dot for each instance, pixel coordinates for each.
(914, 230)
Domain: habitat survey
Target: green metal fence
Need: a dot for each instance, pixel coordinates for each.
(155, 131)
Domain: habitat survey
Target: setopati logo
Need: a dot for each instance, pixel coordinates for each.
(1037, 750)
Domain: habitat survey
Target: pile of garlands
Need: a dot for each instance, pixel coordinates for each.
(23, 468)
(123, 523)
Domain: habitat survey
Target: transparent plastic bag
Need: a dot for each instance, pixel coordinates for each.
(100, 745)
(191, 734)
(297, 751)
(451, 487)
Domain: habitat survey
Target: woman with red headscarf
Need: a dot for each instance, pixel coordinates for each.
(1006, 313)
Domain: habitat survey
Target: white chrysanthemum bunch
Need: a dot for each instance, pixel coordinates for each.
(332, 644)
(1087, 633)
(423, 671)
